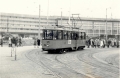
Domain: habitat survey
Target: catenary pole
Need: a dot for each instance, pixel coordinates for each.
(39, 24)
(61, 16)
(47, 12)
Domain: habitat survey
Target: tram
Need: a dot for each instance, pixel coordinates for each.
(61, 40)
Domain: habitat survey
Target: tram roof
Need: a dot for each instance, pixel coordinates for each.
(63, 28)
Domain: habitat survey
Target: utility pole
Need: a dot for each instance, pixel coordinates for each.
(61, 16)
(93, 28)
(106, 25)
(69, 15)
(39, 24)
(99, 31)
(7, 24)
(47, 12)
(118, 29)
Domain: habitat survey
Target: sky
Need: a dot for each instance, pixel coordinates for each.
(85, 8)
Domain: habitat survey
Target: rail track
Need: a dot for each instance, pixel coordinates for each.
(74, 65)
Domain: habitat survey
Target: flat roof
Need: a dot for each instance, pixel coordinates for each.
(63, 18)
(91, 19)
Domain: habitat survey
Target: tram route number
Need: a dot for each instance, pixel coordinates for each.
(69, 41)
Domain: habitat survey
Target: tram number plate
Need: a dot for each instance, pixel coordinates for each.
(69, 41)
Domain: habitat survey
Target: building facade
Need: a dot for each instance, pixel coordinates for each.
(95, 26)
(28, 25)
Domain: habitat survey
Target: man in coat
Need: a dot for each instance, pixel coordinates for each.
(38, 42)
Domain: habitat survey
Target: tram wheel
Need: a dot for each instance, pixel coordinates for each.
(61, 51)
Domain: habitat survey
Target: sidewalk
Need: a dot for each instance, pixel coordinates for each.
(21, 67)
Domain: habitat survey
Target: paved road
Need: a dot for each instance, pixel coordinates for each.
(87, 63)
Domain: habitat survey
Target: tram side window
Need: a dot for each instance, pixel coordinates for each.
(80, 35)
(47, 34)
(77, 35)
(54, 34)
(65, 35)
(84, 35)
(60, 33)
(72, 35)
(69, 35)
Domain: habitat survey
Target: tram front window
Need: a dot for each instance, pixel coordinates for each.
(47, 34)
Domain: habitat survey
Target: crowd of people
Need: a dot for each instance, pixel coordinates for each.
(94, 43)
(13, 41)
(17, 41)
(102, 43)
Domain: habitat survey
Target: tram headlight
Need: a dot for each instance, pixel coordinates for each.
(47, 45)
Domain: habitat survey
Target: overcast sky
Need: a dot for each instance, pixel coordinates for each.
(86, 8)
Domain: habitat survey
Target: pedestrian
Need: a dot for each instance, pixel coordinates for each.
(112, 42)
(2, 42)
(104, 43)
(38, 42)
(88, 43)
(98, 43)
(16, 41)
(35, 42)
(108, 43)
(20, 42)
(95, 43)
(9, 41)
(91, 42)
(101, 43)
(117, 43)
(13, 40)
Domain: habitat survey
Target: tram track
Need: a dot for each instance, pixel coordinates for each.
(40, 63)
(96, 64)
(58, 68)
(64, 67)
(112, 60)
(65, 70)
(71, 69)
